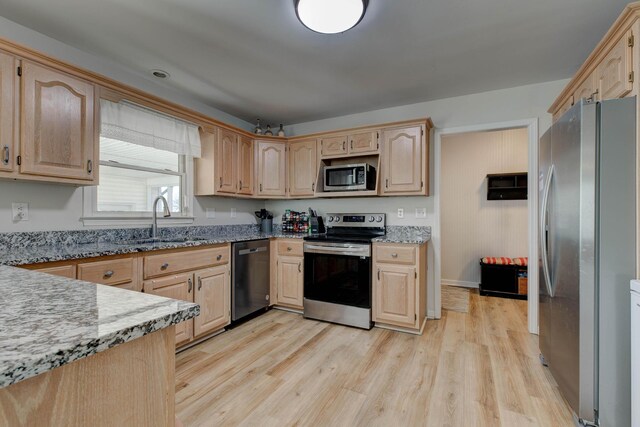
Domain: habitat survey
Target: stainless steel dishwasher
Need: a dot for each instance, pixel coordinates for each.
(250, 278)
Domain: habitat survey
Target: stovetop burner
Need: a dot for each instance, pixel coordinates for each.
(356, 228)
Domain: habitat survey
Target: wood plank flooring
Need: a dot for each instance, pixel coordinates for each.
(468, 369)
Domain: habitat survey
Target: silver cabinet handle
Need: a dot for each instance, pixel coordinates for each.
(220, 182)
(344, 145)
(352, 144)
(108, 274)
(5, 158)
(240, 183)
(219, 257)
(261, 188)
(313, 187)
(394, 255)
(164, 266)
(190, 282)
(378, 274)
(89, 166)
(299, 267)
(386, 183)
(199, 283)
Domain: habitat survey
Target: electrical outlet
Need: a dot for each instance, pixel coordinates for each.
(233, 213)
(421, 212)
(400, 213)
(211, 212)
(20, 211)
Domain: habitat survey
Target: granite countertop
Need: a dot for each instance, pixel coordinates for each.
(61, 252)
(49, 321)
(405, 234)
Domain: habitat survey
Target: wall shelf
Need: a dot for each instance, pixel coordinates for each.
(507, 186)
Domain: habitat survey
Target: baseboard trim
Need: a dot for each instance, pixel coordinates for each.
(461, 283)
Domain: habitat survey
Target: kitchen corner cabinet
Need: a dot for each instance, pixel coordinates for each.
(399, 289)
(8, 102)
(289, 277)
(271, 167)
(303, 168)
(404, 161)
(57, 125)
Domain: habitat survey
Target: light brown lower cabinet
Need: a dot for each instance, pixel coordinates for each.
(68, 271)
(290, 281)
(399, 288)
(213, 294)
(178, 286)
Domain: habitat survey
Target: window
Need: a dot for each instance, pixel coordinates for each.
(143, 154)
(132, 176)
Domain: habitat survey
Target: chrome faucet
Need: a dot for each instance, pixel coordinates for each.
(166, 213)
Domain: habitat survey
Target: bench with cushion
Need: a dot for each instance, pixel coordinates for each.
(504, 277)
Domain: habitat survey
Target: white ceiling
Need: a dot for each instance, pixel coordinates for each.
(252, 58)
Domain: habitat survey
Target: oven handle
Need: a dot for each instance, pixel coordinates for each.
(349, 251)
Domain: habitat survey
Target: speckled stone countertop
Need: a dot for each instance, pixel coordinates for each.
(39, 247)
(406, 234)
(48, 321)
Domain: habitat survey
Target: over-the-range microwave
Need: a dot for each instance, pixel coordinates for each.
(356, 177)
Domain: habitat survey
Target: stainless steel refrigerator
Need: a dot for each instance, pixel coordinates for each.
(587, 187)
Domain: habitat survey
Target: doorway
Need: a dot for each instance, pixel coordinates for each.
(529, 129)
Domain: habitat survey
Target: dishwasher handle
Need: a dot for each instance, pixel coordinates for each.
(252, 251)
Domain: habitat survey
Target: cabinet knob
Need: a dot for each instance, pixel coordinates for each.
(164, 266)
(394, 255)
(219, 257)
(108, 274)
(289, 249)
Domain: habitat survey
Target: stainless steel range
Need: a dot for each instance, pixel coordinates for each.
(337, 269)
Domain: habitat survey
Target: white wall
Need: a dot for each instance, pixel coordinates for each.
(519, 103)
(472, 226)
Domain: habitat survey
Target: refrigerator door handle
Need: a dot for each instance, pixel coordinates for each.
(543, 234)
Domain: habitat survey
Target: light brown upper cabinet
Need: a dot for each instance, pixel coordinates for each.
(271, 158)
(587, 90)
(245, 165)
(303, 168)
(364, 142)
(226, 161)
(57, 136)
(358, 143)
(8, 93)
(615, 78)
(404, 161)
(333, 146)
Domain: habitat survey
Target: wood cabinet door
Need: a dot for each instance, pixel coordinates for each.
(290, 281)
(587, 90)
(394, 295)
(333, 146)
(213, 293)
(56, 124)
(614, 72)
(363, 142)
(8, 94)
(179, 286)
(245, 166)
(226, 161)
(402, 161)
(303, 168)
(271, 169)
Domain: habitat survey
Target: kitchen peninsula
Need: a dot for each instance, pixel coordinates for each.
(77, 353)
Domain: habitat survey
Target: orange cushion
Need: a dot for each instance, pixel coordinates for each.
(523, 261)
(497, 260)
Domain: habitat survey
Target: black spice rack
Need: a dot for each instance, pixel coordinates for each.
(507, 186)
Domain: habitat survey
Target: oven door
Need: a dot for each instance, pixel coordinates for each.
(338, 273)
(343, 178)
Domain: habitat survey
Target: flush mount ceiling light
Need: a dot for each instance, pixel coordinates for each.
(161, 74)
(330, 16)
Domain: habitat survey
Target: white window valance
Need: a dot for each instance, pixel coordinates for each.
(139, 125)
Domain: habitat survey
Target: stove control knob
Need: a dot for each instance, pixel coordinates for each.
(371, 218)
(330, 219)
(379, 219)
(337, 218)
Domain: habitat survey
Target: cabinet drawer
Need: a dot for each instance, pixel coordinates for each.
(290, 247)
(395, 254)
(108, 272)
(173, 262)
(68, 271)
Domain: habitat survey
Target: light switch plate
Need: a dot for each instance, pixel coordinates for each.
(233, 213)
(211, 212)
(421, 212)
(400, 213)
(20, 211)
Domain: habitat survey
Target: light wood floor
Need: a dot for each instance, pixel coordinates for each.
(477, 368)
